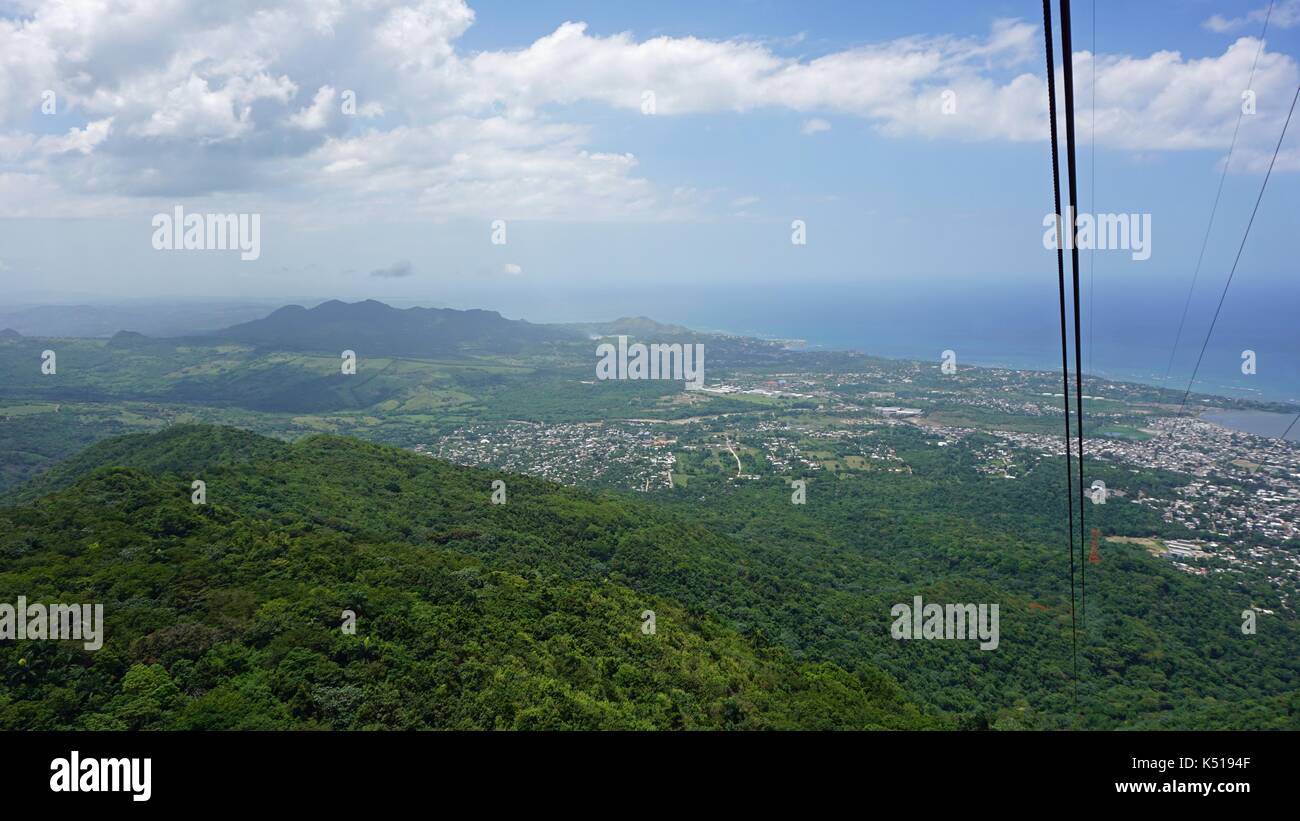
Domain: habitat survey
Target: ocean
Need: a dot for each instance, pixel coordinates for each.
(1261, 423)
(1129, 336)
(1128, 328)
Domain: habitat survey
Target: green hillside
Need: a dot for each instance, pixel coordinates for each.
(229, 615)
(180, 449)
(776, 606)
(379, 329)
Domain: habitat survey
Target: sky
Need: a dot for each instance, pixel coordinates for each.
(639, 156)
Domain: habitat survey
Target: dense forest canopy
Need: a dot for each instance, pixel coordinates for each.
(229, 615)
(529, 614)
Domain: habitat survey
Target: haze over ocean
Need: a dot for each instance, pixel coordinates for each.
(1131, 335)
(1133, 325)
(1130, 341)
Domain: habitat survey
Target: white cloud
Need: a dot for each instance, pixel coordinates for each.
(229, 102)
(815, 126)
(512, 269)
(1285, 15)
(1167, 102)
(317, 115)
(82, 140)
(690, 75)
(193, 111)
(495, 167)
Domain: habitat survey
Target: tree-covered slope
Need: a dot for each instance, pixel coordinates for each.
(1157, 647)
(179, 449)
(793, 586)
(230, 614)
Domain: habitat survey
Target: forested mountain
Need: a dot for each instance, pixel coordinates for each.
(527, 614)
(373, 328)
(468, 615)
(177, 450)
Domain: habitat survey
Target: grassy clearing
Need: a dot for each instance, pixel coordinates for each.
(1153, 546)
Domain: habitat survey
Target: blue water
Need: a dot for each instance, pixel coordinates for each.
(1129, 337)
(1129, 340)
(1260, 423)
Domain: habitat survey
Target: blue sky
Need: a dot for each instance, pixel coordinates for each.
(767, 112)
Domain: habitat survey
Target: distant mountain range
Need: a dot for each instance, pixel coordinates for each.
(375, 328)
(378, 328)
(332, 325)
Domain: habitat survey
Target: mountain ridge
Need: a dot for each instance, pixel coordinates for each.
(373, 327)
